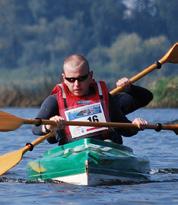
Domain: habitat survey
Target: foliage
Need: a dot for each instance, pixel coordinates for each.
(38, 34)
(119, 37)
(165, 92)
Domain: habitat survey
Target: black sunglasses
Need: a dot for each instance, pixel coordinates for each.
(79, 79)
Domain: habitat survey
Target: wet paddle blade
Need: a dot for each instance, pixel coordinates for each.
(9, 122)
(9, 160)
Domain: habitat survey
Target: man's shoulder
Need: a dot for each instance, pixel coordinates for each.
(51, 99)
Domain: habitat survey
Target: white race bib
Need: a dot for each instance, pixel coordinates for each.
(93, 113)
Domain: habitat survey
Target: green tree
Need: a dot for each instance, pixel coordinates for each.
(144, 19)
(168, 12)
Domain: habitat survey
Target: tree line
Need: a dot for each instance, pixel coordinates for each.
(119, 37)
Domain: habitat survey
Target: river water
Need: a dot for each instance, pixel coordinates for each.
(161, 148)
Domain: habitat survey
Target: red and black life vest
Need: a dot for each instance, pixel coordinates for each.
(67, 102)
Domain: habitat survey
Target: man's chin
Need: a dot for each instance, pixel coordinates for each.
(78, 93)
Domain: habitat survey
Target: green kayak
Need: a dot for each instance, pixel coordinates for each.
(89, 162)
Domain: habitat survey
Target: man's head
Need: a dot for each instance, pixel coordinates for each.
(77, 75)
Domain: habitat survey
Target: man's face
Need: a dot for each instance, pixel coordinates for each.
(78, 80)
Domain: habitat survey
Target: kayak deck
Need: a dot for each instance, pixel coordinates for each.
(89, 162)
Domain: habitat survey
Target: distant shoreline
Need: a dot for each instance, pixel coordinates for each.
(20, 99)
(32, 95)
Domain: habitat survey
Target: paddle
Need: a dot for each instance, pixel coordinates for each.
(11, 159)
(170, 57)
(9, 122)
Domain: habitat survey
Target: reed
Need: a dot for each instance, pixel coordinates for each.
(165, 92)
(32, 93)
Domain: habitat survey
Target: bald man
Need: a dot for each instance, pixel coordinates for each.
(80, 97)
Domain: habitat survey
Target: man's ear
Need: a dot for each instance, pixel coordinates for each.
(62, 76)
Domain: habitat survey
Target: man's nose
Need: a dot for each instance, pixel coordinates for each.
(76, 83)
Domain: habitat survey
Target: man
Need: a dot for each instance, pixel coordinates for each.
(79, 97)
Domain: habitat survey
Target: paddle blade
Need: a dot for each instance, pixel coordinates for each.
(9, 160)
(171, 56)
(9, 122)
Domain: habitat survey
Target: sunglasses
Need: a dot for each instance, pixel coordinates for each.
(79, 79)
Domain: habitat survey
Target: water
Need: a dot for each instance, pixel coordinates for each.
(161, 148)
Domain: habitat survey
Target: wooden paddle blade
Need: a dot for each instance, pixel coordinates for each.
(9, 122)
(171, 56)
(9, 160)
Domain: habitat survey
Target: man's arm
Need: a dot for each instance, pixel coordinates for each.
(133, 98)
(117, 115)
(48, 109)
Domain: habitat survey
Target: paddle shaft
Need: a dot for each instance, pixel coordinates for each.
(39, 122)
(170, 57)
(136, 77)
(30, 146)
(9, 122)
(156, 127)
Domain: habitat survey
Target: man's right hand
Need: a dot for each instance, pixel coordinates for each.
(59, 124)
